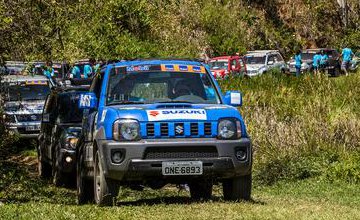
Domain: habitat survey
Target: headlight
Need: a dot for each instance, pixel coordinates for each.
(71, 142)
(229, 129)
(9, 118)
(126, 130)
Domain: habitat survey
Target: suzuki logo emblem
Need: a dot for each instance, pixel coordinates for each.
(179, 129)
(154, 113)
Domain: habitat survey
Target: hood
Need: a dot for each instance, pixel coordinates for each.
(173, 112)
(251, 67)
(151, 113)
(24, 107)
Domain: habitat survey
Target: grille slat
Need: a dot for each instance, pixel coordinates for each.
(26, 118)
(194, 129)
(164, 129)
(180, 152)
(150, 129)
(207, 128)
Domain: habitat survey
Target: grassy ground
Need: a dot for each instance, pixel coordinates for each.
(24, 196)
(307, 162)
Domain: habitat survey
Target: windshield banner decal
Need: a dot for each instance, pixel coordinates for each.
(176, 114)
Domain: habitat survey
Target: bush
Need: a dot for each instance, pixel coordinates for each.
(302, 127)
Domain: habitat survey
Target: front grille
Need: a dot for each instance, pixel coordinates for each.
(178, 129)
(27, 118)
(180, 152)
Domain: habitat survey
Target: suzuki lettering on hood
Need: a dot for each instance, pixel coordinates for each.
(176, 114)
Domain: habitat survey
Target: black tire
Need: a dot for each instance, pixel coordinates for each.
(84, 186)
(238, 188)
(58, 175)
(105, 190)
(44, 169)
(337, 72)
(201, 190)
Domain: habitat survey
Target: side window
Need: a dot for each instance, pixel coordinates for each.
(96, 84)
(233, 64)
(279, 58)
(271, 58)
(242, 63)
(47, 100)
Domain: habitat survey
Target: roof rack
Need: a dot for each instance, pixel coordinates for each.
(169, 58)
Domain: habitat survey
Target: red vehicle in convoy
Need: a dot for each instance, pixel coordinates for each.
(224, 66)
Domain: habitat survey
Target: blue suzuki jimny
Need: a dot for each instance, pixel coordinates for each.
(154, 122)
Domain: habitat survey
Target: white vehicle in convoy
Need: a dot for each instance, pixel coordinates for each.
(261, 61)
(23, 99)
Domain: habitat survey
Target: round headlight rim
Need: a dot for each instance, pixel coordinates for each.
(237, 131)
(116, 131)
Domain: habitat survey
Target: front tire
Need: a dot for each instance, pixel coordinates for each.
(238, 188)
(105, 190)
(44, 168)
(85, 187)
(201, 190)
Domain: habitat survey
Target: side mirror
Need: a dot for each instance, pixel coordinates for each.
(233, 98)
(88, 100)
(270, 62)
(45, 118)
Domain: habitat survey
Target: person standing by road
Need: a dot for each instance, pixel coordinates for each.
(324, 59)
(347, 56)
(88, 70)
(48, 70)
(75, 72)
(316, 63)
(298, 63)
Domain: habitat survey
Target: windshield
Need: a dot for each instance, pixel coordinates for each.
(69, 111)
(157, 86)
(28, 92)
(307, 56)
(15, 69)
(215, 65)
(255, 60)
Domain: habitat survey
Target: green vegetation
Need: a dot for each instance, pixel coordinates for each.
(302, 128)
(307, 162)
(111, 29)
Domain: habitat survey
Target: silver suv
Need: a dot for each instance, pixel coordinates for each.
(261, 61)
(23, 99)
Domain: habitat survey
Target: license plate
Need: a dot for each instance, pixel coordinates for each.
(182, 168)
(32, 128)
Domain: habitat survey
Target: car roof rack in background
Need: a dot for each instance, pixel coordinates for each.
(169, 58)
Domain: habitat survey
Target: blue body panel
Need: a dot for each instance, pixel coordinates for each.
(108, 114)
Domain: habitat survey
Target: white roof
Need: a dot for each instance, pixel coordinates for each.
(262, 51)
(21, 78)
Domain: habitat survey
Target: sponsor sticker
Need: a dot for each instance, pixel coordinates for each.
(103, 115)
(137, 68)
(176, 114)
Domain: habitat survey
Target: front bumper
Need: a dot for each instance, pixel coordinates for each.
(25, 130)
(67, 160)
(136, 166)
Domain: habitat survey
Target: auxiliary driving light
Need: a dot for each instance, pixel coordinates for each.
(117, 156)
(68, 159)
(240, 154)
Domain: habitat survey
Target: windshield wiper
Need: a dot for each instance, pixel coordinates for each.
(125, 102)
(175, 101)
